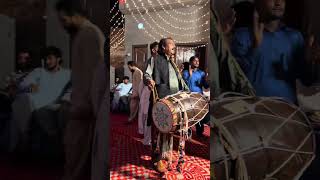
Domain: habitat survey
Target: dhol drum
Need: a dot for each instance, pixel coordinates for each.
(257, 138)
(173, 111)
(309, 101)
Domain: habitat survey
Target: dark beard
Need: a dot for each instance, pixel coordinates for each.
(132, 70)
(24, 67)
(52, 68)
(71, 30)
(274, 18)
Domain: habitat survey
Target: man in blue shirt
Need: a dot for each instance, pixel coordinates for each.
(271, 54)
(194, 77)
(196, 80)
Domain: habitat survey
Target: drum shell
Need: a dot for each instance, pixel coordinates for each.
(250, 134)
(192, 104)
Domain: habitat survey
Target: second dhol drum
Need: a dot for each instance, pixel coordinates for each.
(259, 138)
(183, 109)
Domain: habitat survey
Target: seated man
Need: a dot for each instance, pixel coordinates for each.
(43, 86)
(113, 88)
(8, 88)
(24, 67)
(121, 97)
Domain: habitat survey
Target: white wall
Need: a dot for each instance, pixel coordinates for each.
(7, 47)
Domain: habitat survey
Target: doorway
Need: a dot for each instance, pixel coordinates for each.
(140, 55)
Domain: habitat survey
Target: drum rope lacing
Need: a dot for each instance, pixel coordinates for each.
(185, 126)
(196, 102)
(183, 132)
(233, 148)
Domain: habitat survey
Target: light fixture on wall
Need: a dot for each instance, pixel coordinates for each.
(140, 26)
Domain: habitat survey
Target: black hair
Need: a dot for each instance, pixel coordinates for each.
(72, 7)
(52, 50)
(163, 43)
(193, 58)
(244, 14)
(24, 50)
(126, 77)
(153, 45)
(132, 63)
(186, 65)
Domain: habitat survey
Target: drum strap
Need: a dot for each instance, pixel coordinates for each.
(155, 95)
(182, 138)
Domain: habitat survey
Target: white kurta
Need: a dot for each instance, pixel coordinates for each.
(50, 85)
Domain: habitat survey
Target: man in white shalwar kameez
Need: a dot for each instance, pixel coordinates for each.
(42, 87)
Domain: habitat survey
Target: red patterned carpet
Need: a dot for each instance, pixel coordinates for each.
(130, 159)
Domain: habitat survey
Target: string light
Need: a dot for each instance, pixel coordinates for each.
(188, 6)
(175, 34)
(115, 15)
(117, 44)
(114, 38)
(117, 38)
(114, 45)
(192, 48)
(168, 23)
(161, 35)
(178, 19)
(117, 21)
(114, 6)
(117, 35)
(135, 18)
(118, 31)
(180, 28)
(118, 24)
(187, 13)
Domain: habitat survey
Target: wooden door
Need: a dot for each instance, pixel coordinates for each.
(140, 55)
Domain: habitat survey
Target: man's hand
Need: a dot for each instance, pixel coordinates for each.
(258, 29)
(226, 26)
(181, 67)
(313, 50)
(151, 83)
(190, 70)
(231, 20)
(206, 78)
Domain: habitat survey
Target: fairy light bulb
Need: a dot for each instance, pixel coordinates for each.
(140, 26)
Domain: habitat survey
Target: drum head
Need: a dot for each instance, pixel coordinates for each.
(162, 117)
